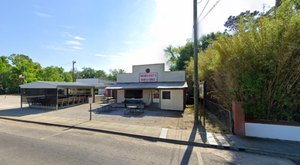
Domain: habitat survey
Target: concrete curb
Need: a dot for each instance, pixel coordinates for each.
(157, 139)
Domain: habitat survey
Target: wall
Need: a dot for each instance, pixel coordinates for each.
(176, 101)
(273, 131)
(147, 97)
(120, 96)
(163, 76)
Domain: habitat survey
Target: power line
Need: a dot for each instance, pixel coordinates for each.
(200, 14)
(203, 9)
(210, 10)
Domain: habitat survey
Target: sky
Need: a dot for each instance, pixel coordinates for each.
(108, 34)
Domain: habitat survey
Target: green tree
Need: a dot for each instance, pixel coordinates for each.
(113, 74)
(233, 21)
(178, 57)
(172, 55)
(87, 72)
(51, 73)
(4, 72)
(23, 65)
(100, 74)
(67, 77)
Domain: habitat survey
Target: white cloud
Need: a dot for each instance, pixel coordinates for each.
(78, 38)
(41, 14)
(72, 42)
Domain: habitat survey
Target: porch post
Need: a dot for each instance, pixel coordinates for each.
(93, 94)
(56, 99)
(21, 98)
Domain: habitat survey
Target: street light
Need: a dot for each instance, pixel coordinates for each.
(73, 62)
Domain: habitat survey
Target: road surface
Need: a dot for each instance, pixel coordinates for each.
(23, 143)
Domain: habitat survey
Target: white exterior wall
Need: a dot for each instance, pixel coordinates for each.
(273, 131)
(163, 76)
(120, 96)
(176, 101)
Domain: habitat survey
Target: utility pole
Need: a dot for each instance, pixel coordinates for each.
(196, 86)
(73, 62)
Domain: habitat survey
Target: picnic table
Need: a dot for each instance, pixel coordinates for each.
(134, 109)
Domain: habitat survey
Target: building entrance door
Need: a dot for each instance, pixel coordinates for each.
(155, 98)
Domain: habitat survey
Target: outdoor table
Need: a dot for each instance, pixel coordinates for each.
(133, 108)
(104, 108)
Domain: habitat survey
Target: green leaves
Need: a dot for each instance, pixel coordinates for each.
(18, 64)
(259, 65)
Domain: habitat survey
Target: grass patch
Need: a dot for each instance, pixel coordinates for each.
(212, 123)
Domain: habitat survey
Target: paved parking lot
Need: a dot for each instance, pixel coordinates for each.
(10, 107)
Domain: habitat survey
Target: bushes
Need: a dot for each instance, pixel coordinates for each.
(259, 65)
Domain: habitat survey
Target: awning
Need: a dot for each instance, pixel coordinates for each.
(152, 85)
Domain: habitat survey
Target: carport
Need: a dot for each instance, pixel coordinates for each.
(55, 95)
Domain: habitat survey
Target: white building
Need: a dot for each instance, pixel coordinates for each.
(153, 85)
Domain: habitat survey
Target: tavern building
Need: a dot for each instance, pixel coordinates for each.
(153, 85)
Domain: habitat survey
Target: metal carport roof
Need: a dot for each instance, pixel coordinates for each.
(54, 85)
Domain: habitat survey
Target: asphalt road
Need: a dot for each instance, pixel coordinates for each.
(23, 143)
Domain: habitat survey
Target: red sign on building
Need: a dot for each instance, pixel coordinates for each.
(148, 77)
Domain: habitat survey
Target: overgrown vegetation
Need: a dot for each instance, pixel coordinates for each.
(13, 66)
(255, 61)
(259, 65)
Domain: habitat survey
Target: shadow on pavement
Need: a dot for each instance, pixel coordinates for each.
(187, 155)
(147, 112)
(18, 112)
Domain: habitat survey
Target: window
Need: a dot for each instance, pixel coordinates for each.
(166, 95)
(134, 94)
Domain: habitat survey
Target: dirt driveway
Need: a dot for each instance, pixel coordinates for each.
(10, 107)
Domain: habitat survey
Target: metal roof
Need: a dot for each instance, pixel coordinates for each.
(96, 82)
(53, 85)
(149, 85)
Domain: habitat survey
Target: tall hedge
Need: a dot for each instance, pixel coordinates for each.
(258, 65)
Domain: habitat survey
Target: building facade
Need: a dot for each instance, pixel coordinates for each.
(153, 85)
